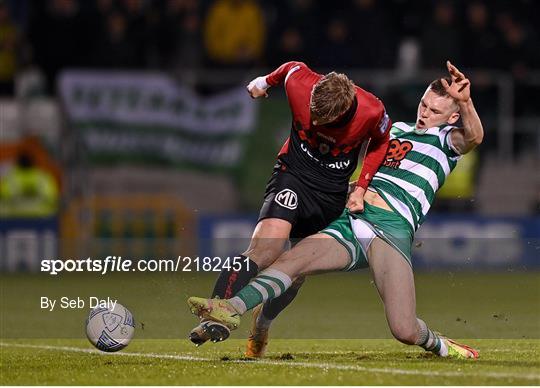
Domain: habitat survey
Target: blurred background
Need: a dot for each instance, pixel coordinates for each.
(126, 128)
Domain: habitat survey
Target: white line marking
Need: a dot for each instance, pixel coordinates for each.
(358, 368)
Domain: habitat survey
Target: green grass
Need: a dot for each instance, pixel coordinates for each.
(289, 362)
(334, 333)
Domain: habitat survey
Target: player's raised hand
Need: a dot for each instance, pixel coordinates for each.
(355, 203)
(255, 88)
(460, 89)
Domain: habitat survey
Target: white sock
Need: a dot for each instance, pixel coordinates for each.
(443, 352)
(238, 305)
(430, 341)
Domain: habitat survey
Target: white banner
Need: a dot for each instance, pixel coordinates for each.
(122, 113)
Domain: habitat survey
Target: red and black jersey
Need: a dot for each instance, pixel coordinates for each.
(325, 157)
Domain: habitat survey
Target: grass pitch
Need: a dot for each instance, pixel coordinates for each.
(289, 362)
(334, 334)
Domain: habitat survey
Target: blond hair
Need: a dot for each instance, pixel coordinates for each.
(331, 97)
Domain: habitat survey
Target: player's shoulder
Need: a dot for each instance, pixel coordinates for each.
(441, 138)
(299, 82)
(447, 143)
(402, 126)
(369, 101)
(446, 128)
(441, 132)
(401, 129)
(300, 73)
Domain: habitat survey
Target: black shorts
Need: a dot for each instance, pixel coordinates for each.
(308, 210)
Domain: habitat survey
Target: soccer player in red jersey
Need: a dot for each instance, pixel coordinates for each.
(381, 237)
(331, 118)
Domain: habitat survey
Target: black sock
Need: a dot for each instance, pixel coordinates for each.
(273, 307)
(229, 282)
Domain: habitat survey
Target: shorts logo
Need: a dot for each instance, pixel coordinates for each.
(287, 198)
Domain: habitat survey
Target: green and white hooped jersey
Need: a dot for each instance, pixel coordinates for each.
(416, 166)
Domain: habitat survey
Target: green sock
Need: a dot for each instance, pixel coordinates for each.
(267, 285)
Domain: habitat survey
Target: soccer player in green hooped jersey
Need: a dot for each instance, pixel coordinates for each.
(419, 158)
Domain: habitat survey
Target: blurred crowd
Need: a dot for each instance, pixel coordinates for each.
(175, 35)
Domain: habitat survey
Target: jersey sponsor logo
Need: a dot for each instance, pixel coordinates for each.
(341, 165)
(324, 148)
(384, 123)
(397, 151)
(326, 137)
(338, 165)
(287, 198)
(304, 148)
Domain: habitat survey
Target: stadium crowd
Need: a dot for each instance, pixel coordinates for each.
(175, 35)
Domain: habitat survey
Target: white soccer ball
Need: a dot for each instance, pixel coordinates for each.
(109, 329)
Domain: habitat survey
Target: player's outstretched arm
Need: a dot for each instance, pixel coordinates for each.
(259, 86)
(472, 133)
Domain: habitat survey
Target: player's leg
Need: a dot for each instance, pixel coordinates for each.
(335, 248)
(264, 315)
(269, 239)
(320, 211)
(273, 307)
(283, 200)
(395, 282)
(267, 243)
(315, 254)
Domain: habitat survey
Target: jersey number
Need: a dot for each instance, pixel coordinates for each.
(397, 151)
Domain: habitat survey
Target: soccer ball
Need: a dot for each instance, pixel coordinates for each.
(110, 330)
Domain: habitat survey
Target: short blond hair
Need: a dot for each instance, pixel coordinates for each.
(331, 97)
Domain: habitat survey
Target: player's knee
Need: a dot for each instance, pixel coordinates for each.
(291, 258)
(404, 333)
(263, 257)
